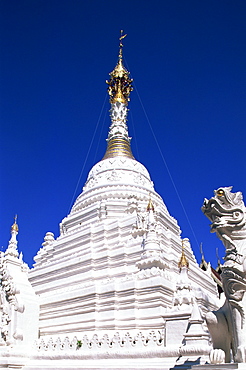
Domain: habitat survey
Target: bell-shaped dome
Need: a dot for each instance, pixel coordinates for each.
(112, 176)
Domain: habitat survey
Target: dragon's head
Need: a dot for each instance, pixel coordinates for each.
(226, 210)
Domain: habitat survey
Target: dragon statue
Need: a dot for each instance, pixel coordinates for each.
(227, 326)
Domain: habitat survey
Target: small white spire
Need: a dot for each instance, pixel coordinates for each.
(12, 247)
(184, 294)
(151, 243)
(196, 334)
(152, 255)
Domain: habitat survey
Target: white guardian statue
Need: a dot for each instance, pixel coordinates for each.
(226, 211)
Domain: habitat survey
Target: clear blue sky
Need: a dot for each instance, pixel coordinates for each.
(188, 62)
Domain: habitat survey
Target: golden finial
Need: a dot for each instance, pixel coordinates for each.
(119, 85)
(183, 262)
(122, 37)
(150, 206)
(119, 88)
(14, 227)
(121, 44)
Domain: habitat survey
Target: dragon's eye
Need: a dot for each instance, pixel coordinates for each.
(220, 193)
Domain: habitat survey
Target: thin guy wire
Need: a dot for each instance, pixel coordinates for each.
(87, 154)
(134, 134)
(165, 163)
(100, 136)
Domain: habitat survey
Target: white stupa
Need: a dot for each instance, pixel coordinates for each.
(114, 289)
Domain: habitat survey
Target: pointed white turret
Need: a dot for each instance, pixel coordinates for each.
(183, 295)
(152, 253)
(12, 246)
(151, 243)
(19, 306)
(196, 335)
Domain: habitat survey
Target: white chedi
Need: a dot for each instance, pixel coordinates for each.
(106, 285)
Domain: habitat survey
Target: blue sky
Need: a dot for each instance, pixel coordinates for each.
(187, 59)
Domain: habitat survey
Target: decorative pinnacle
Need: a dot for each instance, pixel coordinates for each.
(150, 206)
(119, 88)
(14, 227)
(183, 262)
(12, 247)
(120, 85)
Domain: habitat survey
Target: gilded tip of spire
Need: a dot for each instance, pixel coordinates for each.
(14, 227)
(120, 85)
(121, 44)
(121, 35)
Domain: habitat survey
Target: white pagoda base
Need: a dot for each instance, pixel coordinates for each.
(141, 355)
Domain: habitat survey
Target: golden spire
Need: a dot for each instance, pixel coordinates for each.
(14, 227)
(183, 262)
(119, 88)
(120, 85)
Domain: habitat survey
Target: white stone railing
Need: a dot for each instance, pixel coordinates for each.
(117, 342)
(127, 346)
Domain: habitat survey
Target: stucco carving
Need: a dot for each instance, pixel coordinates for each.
(226, 211)
(8, 304)
(119, 169)
(154, 338)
